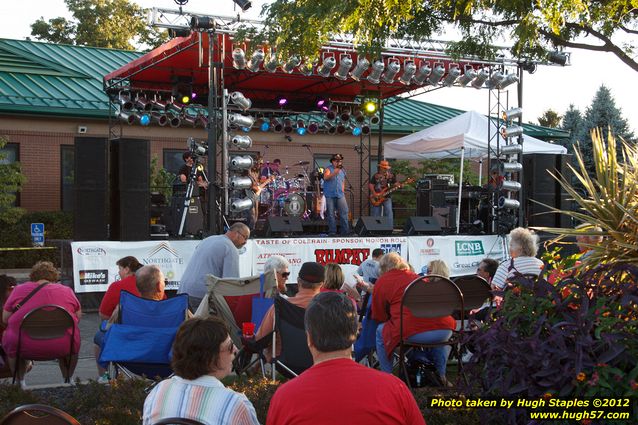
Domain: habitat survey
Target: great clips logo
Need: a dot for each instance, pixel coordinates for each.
(469, 248)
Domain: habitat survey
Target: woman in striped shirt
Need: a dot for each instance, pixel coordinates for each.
(523, 249)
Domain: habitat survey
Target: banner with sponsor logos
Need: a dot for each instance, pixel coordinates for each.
(461, 253)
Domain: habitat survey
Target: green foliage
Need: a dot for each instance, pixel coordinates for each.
(550, 118)
(115, 24)
(161, 179)
(572, 122)
(11, 181)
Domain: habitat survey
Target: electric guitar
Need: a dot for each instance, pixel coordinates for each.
(379, 198)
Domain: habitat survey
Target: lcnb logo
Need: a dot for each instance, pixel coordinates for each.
(469, 248)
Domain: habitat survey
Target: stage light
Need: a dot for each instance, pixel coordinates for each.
(374, 120)
(238, 205)
(239, 100)
(240, 182)
(189, 119)
(287, 125)
(365, 130)
(276, 125)
(158, 104)
(377, 69)
(362, 66)
(370, 107)
(272, 64)
(512, 114)
(409, 69)
(330, 129)
(241, 142)
(292, 63)
(423, 73)
(241, 120)
(359, 116)
(341, 128)
(331, 114)
(511, 131)
(143, 104)
(160, 119)
(530, 67)
(313, 128)
(202, 23)
(451, 77)
(510, 167)
(255, 60)
(328, 64)
(495, 79)
(510, 204)
(244, 5)
(510, 185)
(239, 58)
(321, 103)
(182, 88)
(480, 79)
(145, 119)
(507, 81)
(301, 131)
(175, 121)
(264, 126)
(306, 68)
(558, 58)
(125, 102)
(393, 69)
(467, 76)
(357, 131)
(202, 120)
(436, 75)
(241, 162)
(345, 63)
(281, 101)
(513, 149)
(345, 113)
(129, 118)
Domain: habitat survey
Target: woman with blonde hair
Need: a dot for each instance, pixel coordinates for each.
(438, 267)
(335, 280)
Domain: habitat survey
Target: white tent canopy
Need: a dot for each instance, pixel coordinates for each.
(465, 135)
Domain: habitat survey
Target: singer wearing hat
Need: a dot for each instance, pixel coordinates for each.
(334, 180)
(379, 184)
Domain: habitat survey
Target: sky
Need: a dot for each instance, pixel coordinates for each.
(551, 87)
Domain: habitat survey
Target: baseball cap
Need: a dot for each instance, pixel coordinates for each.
(312, 272)
(336, 157)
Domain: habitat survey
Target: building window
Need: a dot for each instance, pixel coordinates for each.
(9, 154)
(67, 176)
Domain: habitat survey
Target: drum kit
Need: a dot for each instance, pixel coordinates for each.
(292, 196)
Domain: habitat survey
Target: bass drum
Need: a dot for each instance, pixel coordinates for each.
(294, 205)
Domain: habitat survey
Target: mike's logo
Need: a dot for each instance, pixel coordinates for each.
(94, 277)
(469, 248)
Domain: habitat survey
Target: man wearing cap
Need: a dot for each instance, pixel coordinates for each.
(383, 180)
(334, 181)
(309, 279)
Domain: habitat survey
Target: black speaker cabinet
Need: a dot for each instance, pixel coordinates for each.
(373, 226)
(283, 226)
(91, 210)
(540, 186)
(422, 226)
(423, 201)
(194, 219)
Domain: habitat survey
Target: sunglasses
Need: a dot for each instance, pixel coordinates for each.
(285, 274)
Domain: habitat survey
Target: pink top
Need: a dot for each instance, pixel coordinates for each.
(53, 293)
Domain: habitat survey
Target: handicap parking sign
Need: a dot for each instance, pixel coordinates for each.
(37, 234)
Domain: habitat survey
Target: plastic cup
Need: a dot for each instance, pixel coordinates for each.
(248, 329)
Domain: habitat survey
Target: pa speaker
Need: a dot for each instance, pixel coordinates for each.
(91, 209)
(422, 226)
(282, 226)
(373, 226)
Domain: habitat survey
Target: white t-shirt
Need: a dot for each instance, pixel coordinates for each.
(523, 265)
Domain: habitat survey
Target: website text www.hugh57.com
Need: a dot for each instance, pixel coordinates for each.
(579, 416)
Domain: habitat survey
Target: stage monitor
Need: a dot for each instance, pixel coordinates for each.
(422, 226)
(283, 226)
(373, 226)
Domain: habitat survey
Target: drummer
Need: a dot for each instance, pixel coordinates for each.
(270, 169)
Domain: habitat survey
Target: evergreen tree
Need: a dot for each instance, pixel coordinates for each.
(550, 118)
(572, 122)
(602, 114)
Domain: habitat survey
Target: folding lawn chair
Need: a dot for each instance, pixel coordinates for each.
(294, 356)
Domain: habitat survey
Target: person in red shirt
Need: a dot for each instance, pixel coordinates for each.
(386, 306)
(127, 267)
(335, 389)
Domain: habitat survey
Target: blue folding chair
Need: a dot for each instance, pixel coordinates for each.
(140, 343)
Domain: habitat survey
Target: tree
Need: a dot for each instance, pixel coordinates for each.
(604, 115)
(572, 122)
(537, 27)
(11, 180)
(550, 118)
(115, 24)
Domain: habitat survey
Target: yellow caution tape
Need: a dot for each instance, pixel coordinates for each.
(26, 249)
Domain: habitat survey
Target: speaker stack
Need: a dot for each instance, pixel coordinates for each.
(373, 226)
(283, 226)
(91, 211)
(540, 186)
(422, 226)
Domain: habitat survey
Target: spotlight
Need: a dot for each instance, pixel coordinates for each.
(330, 129)
(313, 128)
(256, 59)
(158, 104)
(370, 107)
(452, 75)
(345, 113)
(241, 142)
(468, 76)
(241, 120)
(328, 64)
(202, 23)
(357, 131)
(143, 103)
(480, 79)
(125, 102)
(391, 72)
(287, 125)
(276, 125)
(496, 79)
(243, 4)
(341, 128)
(189, 119)
(306, 68)
(365, 130)
(508, 80)
(510, 185)
(292, 63)
(321, 103)
(529, 67)
(264, 125)
(332, 112)
(374, 120)
(301, 127)
(436, 75)
(239, 58)
(181, 32)
(240, 100)
(145, 119)
(510, 204)
(175, 121)
(281, 101)
(510, 167)
(409, 69)
(362, 66)
(377, 69)
(174, 108)
(272, 64)
(512, 114)
(241, 162)
(558, 58)
(160, 119)
(128, 117)
(359, 116)
(345, 63)
(240, 182)
(513, 149)
(511, 131)
(422, 74)
(238, 205)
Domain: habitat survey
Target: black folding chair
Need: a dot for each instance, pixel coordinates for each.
(34, 414)
(178, 421)
(294, 356)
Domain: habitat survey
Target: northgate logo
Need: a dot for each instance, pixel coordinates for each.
(469, 248)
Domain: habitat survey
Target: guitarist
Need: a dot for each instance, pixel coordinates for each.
(380, 182)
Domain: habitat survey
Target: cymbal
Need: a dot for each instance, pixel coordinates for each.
(302, 163)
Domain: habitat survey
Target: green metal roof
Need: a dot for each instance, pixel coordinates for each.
(56, 79)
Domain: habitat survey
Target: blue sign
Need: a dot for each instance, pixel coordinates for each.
(37, 234)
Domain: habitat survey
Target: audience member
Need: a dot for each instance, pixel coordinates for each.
(487, 269)
(587, 242)
(203, 354)
(438, 267)
(336, 389)
(369, 269)
(523, 249)
(41, 289)
(217, 255)
(335, 281)
(280, 265)
(127, 267)
(386, 306)
(309, 279)
(7, 283)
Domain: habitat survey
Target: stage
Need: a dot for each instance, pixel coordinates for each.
(94, 265)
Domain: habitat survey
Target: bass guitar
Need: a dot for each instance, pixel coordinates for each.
(379, 198)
